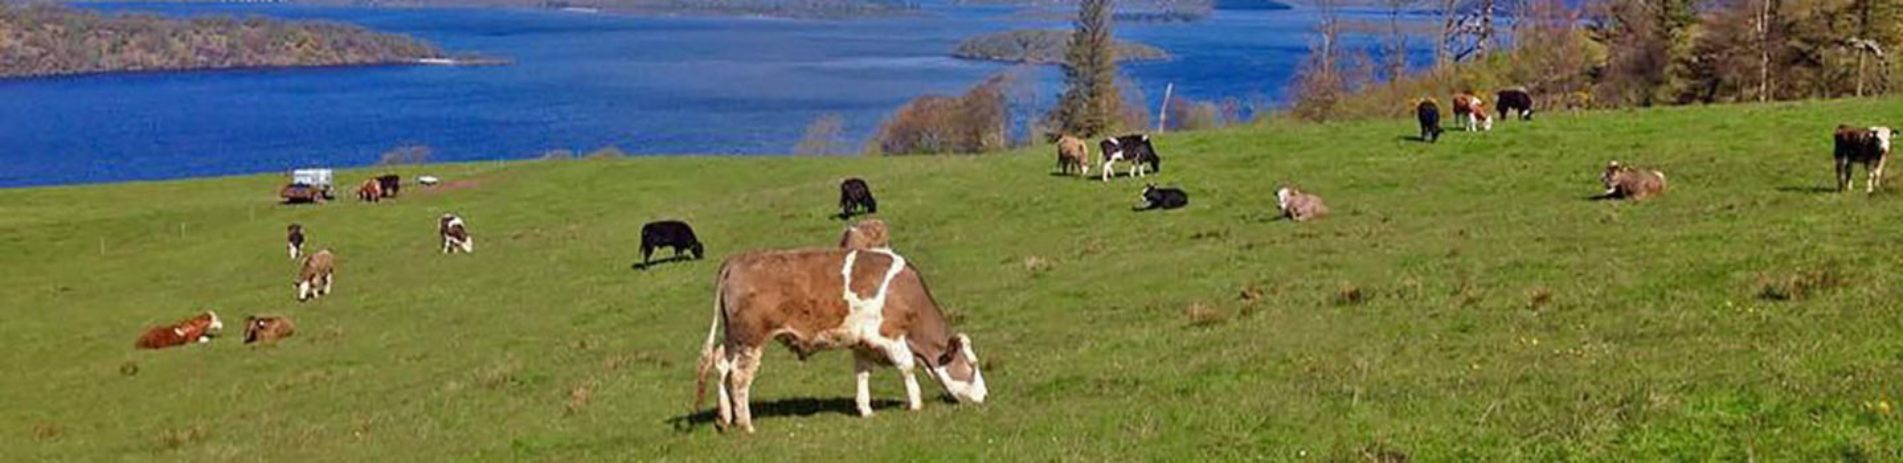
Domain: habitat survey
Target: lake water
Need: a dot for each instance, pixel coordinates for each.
(579, 82)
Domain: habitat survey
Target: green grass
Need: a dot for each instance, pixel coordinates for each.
(1464, 302)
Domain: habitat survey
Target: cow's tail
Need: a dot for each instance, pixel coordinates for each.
(711, 351)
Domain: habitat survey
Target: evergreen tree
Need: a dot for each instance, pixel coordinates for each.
(1090, 103)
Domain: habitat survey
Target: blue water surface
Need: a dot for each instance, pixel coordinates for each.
(648, 85)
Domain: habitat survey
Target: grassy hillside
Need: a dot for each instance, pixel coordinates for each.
(1465, 302)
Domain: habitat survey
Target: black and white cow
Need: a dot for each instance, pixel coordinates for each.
(856, 196)
(1515, 101)
(455, 235)
(1162, 198)
(1428, 114)
(668, 233)
(1870, 147)
(1133, 148)
(294, 239)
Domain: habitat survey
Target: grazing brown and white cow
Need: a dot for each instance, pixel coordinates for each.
(315, 277)
(1471, 111)
(1299, 206)
(294, 239)
(187, 331)
(1073, 154)
(1870, 147)
(867, 234)
(267, 329)
(1625, 182)
(869, 301)
(370, 192)
(455, 235)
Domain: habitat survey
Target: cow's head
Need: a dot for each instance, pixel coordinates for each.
(1611, 176)
(1883, 136)
(1282, 197)
(957, 371)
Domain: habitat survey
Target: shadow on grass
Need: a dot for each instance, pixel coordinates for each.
(643, 266)
(1809, 190)
(793, 407)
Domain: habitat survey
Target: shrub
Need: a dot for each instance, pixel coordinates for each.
(936, 124)
(405, 154)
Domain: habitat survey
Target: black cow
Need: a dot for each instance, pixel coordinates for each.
(390, 183)
(1428, 113)
(855, 196)
(1133, 148)
(1162, 198)
(670, 233)
(1515, 101)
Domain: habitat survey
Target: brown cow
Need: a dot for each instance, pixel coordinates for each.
(267, 329)
(187, 331)
(1299, 206)
(867, 234)
(870, 301)
(315, 277)
(1471, 111)
(1073, 154)
(1870, 147)
(370, 192)
(1624, 182)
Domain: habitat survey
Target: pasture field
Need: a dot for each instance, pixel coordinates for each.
(1465, 302)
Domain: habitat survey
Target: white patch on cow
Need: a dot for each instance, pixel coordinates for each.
(865, 315)
(1883, 138)
(1281, 198)
(216, 325)
(303, 290)
(177, 331)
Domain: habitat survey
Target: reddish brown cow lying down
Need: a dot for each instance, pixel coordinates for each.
(867, 234)
(187, 331)
(810, 300)
(267, 329)
(1624, 182)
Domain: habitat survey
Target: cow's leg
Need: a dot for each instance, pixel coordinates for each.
(1843, 184)
(1876, 176)
(469, 245)
(746, 362)
(328, 278)
(862, 372)
(303, 290)
(1107, 169)
(723, 367)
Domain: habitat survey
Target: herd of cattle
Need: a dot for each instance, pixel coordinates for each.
(863, 296)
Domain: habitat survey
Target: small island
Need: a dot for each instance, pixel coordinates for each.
(46, 40)
(1040, 46)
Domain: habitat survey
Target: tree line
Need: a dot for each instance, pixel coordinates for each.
(1611, 54)
(45, 40)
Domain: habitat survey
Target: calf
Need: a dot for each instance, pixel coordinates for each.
(855, 196)
(1515, 101)
(315, 277)
(1427, 112)
(869, 301)
(1471, 111)
(267, 329)
(1869, 147)
(1299, 206)
(1624, 182)
(1162, 198)
(670, 233)
(867, 234)
(1134, 148)
(191, 330)
(1073, 154)
(370, 191)
(455, 235)
(390, 184)
(294, 239)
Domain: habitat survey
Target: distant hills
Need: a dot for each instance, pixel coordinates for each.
(47, 40)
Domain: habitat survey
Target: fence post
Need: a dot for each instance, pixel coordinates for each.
(1163, 111)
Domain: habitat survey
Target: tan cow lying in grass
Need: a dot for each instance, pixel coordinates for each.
(1624, 182)
(191, 330)
(315, 277)
(1299, 206)
(869, 301)
(267, 329)
(1073, 154)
